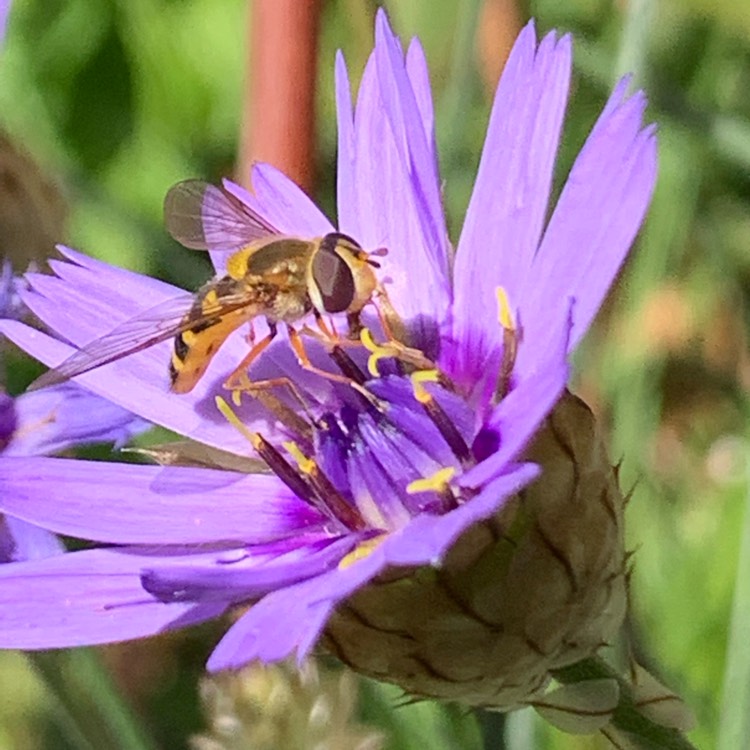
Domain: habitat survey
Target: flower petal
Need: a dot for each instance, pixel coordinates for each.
(505, 216)
(23, 541)
(10, 304)
(78, 303)
(8, 419)
(596, 219)
(4, 12)
(138, 383)
(419, 76)
(520, 414)
(346, 185)
(413, 143)
(290, 620)
(250, 575)
(63, 416)
(135, 504)
(286, 205)
(394, 195)
(85, 598)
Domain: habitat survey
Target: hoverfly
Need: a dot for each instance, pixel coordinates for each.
(281, 278)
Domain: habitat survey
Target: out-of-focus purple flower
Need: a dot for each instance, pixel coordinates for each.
(45, 422)
(359, 484)
(10, 301)
(4, 13)
(65, 416)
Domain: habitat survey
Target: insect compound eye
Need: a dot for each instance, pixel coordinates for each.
(332, 275)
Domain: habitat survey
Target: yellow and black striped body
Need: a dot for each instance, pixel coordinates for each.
(265, 279)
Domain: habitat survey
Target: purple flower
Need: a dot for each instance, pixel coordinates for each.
(45, 422)
(10, 303)
(4, 12)
(358, 483)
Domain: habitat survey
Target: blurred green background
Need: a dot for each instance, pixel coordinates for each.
(117, 100)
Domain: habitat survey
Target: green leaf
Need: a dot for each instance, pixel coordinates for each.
(100, 117)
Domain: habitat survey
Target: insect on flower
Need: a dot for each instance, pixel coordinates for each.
(281, 278)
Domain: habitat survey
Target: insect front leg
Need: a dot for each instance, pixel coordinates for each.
(304, 360)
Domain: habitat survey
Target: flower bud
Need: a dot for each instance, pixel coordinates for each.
(540, 585)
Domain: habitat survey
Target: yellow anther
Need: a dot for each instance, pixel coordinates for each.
(236, 396)
(420, 377)
(234, 420)
(306, 465)
(361, 551)
(504, 314)
(435, 483)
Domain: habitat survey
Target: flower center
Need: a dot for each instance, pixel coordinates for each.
(385, 449)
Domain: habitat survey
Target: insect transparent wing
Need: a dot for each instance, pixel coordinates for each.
(145, 330)
(205, 217)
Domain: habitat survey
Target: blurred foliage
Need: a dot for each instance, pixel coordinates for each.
(117, 100)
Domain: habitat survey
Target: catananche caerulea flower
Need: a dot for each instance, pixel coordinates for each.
(358, 485)
(46, 422)
(10, 304)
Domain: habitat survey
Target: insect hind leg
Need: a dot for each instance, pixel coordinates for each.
(238, 380)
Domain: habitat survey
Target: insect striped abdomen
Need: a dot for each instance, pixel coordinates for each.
(195, 347)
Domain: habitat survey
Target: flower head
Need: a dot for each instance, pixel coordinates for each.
(378, 474)
(10, 304)
(46, 422)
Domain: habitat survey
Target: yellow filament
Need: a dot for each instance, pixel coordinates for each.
(361, 551)
(504, 314)
(306, 465)
(234, 420)
(420, 377)
(436, 483)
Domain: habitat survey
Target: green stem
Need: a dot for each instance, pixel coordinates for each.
(631, 57)
(734, 724)
(89, 708)
(457, 94)
(492, 727)
(641, 731)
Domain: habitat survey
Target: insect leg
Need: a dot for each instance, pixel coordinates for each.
(394, 347)
(299, 349)
(262, 390)
(328, 333)
(239, 379)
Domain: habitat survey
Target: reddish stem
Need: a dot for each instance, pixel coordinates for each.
(278, 119)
